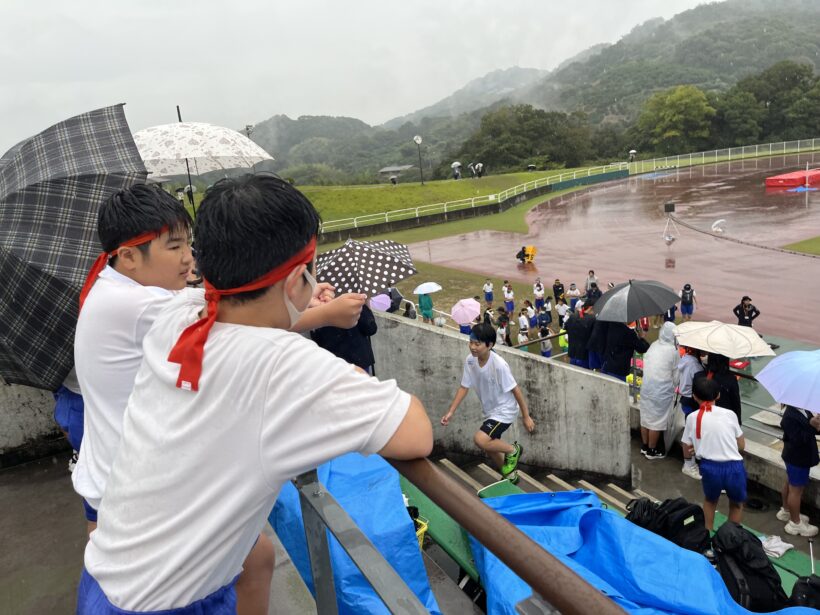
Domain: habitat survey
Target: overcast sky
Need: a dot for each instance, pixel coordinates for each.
(235, 62)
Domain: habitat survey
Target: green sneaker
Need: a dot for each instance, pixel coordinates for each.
(511, 460)
(513, 478)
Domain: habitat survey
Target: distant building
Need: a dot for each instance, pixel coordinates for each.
(387, 172)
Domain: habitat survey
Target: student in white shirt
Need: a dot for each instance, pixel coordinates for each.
(573, 294)
(226, 407)
(488, 292)
(523, 326)
(713, 435)
(509, 297)
(538, 292)
(501, 399)
(563, 309)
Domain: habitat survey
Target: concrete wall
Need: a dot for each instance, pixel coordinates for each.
(27, 427)
(582, 419)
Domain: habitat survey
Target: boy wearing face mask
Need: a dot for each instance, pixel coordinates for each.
(227, 405)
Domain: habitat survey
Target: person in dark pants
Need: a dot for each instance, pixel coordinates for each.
(596, 345)
(746, 312)
(579, 328)
(352, 345)
(621, 343)
(717, 369)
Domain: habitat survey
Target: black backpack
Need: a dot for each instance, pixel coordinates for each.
(749, 575)
(806, 590)
(675, 519)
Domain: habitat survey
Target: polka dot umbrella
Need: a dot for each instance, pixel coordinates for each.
(358, 267)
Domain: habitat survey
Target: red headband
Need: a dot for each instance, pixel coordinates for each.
(190, 347)
(102, 260)
(704, 407)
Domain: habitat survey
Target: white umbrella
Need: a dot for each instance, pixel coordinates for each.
(455, 164)
(207, 147)
(426, 288)
(793, 378)
(731, 341)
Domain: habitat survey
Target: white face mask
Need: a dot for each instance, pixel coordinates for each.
(293, 313)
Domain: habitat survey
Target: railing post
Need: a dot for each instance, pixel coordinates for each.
(355, 223)
(318, 550)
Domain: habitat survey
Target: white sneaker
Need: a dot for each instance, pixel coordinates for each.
(691, 472)
(785, 515)
(73, 461)
(800, 529)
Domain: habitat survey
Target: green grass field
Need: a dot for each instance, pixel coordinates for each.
(809, 246)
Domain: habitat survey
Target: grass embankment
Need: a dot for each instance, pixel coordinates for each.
(809, 246)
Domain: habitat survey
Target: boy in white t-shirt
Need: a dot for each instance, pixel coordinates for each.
(509, 297)
(226, 407)
(488, 292)
(714, 436)
(501, 399)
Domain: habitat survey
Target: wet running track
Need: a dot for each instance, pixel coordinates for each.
(617, 230)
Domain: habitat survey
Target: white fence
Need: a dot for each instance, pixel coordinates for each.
(636, 167)
(487, 199)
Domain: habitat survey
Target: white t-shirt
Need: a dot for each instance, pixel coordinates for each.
(509, 295)
(530, 312)
(562, 309)
(488, 287)
(523, 322)
(501, 336)
(523, 338)
(573, 293)
(197, 473)
(117, 314)
(719, 432)
(493, 384)
(538, 291)
(548, 306)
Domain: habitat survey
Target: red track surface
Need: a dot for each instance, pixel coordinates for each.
(616, 229)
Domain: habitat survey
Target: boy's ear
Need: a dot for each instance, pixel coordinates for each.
(130, 258)
(292, 280)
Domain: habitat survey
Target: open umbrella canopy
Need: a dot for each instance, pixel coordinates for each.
(635, 299)
(380, 302)
(455, 165)
(358, 268)
(793, 378)
(51, 187)
(732, 341)
(207, 147)
(465, 311)
(388, 247)
(426, 288)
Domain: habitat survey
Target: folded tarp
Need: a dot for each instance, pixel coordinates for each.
(369, 491)
(640, 571)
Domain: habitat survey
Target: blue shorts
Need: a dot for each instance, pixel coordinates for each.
(618, 376)
(509, 306)
(488, 297)
(90, 513)
(580, 363)
(91, 600)
(798, 476)
(534, 322)
(719, 475)
(594, 360)
(546, 353)
(465, 329)
(68, 412)
(572, 303)
(687, 309)
(539, 303)
(686, 407)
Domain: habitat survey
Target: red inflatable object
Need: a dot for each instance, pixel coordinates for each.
(792, 180)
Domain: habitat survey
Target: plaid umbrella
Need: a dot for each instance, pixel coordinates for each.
(357, 268)
(51, 187)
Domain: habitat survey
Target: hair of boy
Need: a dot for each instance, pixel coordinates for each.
(705, 389)
(484, 333)
(249, 225)
(717, 364)
(137, 210)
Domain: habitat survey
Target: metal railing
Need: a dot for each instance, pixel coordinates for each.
(449, 206)
(554, 583)
(729, 154)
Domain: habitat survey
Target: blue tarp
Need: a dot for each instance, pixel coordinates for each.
(639, 570)
(368, 489)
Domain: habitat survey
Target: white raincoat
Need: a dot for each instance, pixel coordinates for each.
(660, 377)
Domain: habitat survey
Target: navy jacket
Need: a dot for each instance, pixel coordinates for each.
(799, 444)
(352, 345)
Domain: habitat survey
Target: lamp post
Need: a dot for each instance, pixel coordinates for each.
(417, 139)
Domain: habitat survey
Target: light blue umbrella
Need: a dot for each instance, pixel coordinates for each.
(793, 378)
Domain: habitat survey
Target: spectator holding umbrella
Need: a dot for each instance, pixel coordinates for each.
(746, 312)
(353, 345)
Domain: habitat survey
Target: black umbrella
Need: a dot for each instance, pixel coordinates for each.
(635, 299)
(51, 187)
(357, 267)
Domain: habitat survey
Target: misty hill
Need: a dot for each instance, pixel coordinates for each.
(477, 94)
(711, 46)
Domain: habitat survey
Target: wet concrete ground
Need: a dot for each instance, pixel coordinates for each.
(617, 230)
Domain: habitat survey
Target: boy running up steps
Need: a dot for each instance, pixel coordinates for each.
(501, 400)
(713, 435)
(227, 406)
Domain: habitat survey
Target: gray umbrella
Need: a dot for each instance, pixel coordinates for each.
(635, 299)
(51, 187)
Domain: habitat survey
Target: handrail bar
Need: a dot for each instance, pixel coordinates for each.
(545, 574)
